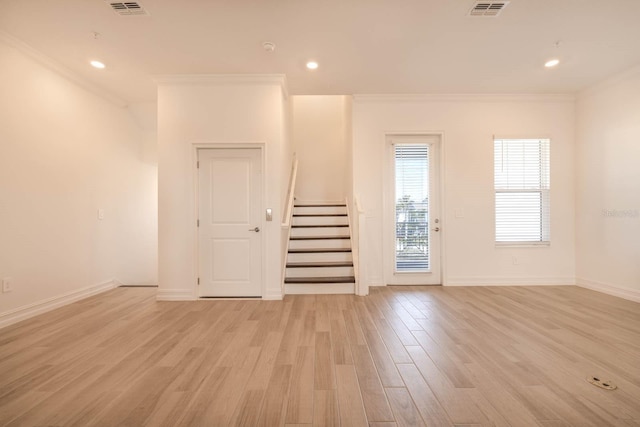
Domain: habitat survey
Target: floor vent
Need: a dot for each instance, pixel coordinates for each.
(605, 384)
(488, 8)
(129, 8)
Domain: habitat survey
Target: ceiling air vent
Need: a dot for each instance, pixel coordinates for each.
(129, 8)
(488, 8)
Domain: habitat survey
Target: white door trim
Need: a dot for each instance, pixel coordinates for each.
(195, 146)
(388, 167)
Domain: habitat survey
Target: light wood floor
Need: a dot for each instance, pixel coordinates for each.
(404, 356)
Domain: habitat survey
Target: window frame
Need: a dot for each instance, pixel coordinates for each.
(545, 195)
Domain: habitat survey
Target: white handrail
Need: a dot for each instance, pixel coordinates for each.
(286, 221)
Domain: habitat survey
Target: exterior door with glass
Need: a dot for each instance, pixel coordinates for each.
(414, 226)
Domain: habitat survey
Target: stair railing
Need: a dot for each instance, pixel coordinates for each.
(358, 223)
(288, 214)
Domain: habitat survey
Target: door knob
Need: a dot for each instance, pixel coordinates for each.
(257, 229)
(436, 229)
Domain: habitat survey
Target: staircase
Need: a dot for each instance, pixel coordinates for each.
(319, 260)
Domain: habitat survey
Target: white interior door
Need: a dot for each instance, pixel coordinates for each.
(413, 210)
(229, 232)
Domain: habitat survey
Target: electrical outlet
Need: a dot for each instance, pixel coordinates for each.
(515, 260)
(7, 285)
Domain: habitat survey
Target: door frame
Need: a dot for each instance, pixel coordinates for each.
(388, 221)
(196, 209)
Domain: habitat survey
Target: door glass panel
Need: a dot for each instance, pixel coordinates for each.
(412, 207)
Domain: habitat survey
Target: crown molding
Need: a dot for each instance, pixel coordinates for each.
(464, 97)
(224, 79)
(55, 66)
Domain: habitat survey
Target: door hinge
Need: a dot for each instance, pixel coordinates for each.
(198, 164)
(198, 280)
(198, 223)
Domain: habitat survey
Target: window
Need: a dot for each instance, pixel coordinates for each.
(412, 207)
(521, 174)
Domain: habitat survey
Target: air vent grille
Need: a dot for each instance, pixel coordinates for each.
(490, 8)
(129, 8)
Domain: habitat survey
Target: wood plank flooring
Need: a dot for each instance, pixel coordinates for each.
(403, 356)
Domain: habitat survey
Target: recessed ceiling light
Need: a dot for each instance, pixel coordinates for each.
(312, 65)
(551, 63)
(269, 46)
(97, 64)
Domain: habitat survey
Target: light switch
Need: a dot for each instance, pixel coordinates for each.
(7, 285)
(269, 214)
(100, 214)
(459, 213)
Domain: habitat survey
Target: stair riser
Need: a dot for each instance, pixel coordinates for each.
(320, 231)
(319, 288)
(320, 210)
(322, 257)
(320, 272)
(320, 220)
(317, 244)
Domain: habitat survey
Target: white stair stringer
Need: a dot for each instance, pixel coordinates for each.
(319, 260)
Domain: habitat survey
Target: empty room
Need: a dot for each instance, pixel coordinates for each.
(337, 213)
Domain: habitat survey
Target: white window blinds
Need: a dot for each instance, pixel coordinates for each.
(412, 207)
(521, 173)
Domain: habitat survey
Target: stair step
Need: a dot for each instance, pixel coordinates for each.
(317, 251)
(320, 257)
(320, 210)
(344, 279)
(320, 264)
(319, 205)
(320, 220)
(319, 244)
(319, 237)
(319, 225)
(318, 288)
(319, 214)
(319, 272)
(319, 231)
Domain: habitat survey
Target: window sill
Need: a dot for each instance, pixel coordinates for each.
(522, 244)
(411, 272)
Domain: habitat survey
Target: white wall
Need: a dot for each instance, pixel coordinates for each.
(65, 153)
(319, 124)
(214, 109)
(469, 123)
(608, 186)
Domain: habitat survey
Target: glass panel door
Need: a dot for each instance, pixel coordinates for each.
(411, 163)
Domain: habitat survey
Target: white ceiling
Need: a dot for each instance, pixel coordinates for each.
(362, 46)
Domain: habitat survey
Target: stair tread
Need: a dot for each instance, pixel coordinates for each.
(322, 215)
(320, 264)
(319, 238)
(320, 225)
(319, 206)
(337, 279)
(319, 250)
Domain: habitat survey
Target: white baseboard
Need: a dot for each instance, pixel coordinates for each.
(272, 297)
(609, 289)
(509, 281)
(375, 284)
(36, 308)
(139, 284)
(175, 295)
